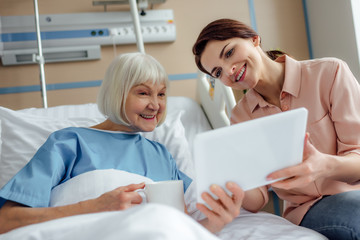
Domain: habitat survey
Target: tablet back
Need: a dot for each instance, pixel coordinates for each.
(247, 152)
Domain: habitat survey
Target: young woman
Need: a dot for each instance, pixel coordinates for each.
(133, 97)
(321, 193)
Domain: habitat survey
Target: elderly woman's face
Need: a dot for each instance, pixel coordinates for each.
(145, 106)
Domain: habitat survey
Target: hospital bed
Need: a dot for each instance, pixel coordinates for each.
(23, 132)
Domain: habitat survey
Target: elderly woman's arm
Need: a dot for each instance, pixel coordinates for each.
(14, 215)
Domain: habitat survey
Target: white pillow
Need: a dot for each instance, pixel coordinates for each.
(22, 134)
(88, 110)
(194, 119)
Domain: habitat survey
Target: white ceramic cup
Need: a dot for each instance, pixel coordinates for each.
(170, 193)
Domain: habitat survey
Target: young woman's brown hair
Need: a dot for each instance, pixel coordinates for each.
(223, 29)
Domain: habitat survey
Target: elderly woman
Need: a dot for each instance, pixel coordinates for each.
(133, 98)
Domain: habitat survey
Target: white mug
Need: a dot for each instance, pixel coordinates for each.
(170, 193)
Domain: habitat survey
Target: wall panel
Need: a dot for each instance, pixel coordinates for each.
(190, 17)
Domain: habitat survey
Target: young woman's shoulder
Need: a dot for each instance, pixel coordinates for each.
(324, 69)
(324, 62)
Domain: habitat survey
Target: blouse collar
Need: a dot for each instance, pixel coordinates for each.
(291, 85)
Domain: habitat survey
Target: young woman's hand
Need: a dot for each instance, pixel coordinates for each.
(120, 198)
(224, 209)
(315, 165)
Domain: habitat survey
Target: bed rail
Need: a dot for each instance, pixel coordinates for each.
(216, 99)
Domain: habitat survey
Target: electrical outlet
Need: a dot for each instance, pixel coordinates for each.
(150, 33)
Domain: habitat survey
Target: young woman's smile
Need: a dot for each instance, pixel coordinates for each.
(240, 75)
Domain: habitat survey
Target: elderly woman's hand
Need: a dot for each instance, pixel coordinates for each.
(120, 198)
(224, 209)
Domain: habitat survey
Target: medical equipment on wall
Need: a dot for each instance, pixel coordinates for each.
(72, 37)
(77, 37)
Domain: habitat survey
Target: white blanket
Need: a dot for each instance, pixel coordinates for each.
(155, 222)
(147, 221)
(150, 222)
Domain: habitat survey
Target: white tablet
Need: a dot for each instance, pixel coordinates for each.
(247, 152)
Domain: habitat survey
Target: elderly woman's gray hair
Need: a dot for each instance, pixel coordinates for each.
(126, 71)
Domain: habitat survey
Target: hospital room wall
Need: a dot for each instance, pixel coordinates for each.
(280, 24)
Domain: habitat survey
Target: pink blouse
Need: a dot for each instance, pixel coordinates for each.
(330, 92)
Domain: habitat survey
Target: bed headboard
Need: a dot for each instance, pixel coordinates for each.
(216, 99)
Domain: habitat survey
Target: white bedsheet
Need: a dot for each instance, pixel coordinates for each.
(151, 222)
(262, 225)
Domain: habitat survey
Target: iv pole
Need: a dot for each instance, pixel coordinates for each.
(40, 58)
(137, 28)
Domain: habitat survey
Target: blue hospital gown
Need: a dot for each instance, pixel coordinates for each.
(72, 151)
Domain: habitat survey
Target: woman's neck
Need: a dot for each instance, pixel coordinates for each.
(108, 125)
(271, 83)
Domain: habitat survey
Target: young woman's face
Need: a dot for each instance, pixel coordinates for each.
(145, 106)
(234, 61)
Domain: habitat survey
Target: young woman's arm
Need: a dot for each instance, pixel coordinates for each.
(255, 199)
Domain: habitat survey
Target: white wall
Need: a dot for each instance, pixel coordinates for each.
(333, 32)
